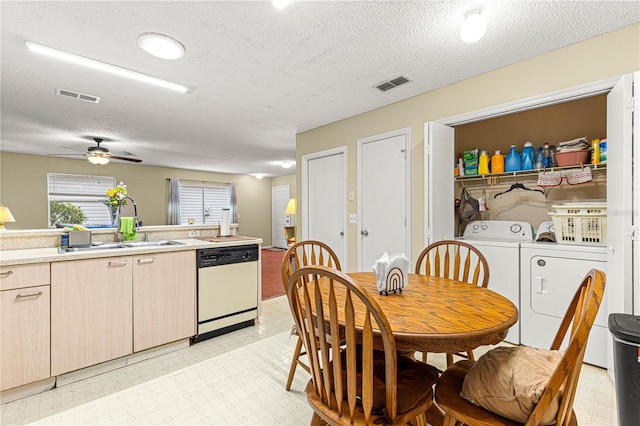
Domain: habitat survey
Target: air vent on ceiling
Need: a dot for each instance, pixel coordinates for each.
(390, 84)
(81, 96)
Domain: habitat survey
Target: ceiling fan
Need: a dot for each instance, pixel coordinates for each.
(101, 155)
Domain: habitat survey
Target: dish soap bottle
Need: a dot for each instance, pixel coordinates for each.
(513, 160)
(483, 163)
(460, 165)
(497, 162)
(527, 156)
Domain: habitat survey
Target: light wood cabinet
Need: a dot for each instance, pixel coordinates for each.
(25, 334)
(19, 276)
(164, 299)
(91, 312)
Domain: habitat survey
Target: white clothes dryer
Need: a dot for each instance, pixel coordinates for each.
(550, 276)
(499, 242)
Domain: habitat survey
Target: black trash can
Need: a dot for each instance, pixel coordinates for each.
(625, 329)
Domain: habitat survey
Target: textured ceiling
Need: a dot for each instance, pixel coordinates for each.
(258, 75)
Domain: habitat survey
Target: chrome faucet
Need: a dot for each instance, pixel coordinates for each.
(135, 210)
(119, 237)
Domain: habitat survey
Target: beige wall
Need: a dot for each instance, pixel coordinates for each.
(23, 187)
(606, 56)
(285, 180)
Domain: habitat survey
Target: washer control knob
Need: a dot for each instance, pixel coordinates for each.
(515, 228)
(484, 227)
(475, 227)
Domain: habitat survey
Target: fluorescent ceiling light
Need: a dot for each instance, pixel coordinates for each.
(161, 46)
(98, 159)
(280, 4)
(103, 66)
(474, 25)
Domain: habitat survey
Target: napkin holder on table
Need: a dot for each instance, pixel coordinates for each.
(391, 273)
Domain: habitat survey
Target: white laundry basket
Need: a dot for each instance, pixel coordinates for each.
(580, 223)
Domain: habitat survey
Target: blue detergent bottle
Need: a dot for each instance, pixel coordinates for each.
(527, 156)
(513, 163)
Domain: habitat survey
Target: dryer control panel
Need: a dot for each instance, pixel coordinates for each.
(498, 230)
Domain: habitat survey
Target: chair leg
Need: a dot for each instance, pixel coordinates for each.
(424, 357)
(449, 421)
(470, 356)
(294, 363)
(449, 359)
(316, 420)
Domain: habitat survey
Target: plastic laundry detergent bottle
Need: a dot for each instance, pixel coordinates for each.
(497, 162)
(527, 156)
(514, 162)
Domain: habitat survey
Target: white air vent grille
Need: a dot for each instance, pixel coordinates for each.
(76, 95)
(390, 84)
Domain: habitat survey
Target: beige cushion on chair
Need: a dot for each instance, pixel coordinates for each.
(510, 380)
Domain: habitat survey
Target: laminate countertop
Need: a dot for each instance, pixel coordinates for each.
(51, 254)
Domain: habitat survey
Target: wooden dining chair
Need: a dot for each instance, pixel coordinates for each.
(455, 260)
(559, 390)
(351, 383)
(309, 252)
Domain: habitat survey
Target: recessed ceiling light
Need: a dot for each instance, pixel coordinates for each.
(161, 46)
(103, 66)
(286, 164)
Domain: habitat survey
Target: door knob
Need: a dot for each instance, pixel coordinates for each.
(365, 232)
(342, 233)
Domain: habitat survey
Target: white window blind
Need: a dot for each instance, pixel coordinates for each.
(86, 192)
(201, 203)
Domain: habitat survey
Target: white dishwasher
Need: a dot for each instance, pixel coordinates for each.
(227, 289)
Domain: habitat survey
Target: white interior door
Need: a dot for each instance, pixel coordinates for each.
(324, 200)
(438, 182)
(279, 198)
(384, 202)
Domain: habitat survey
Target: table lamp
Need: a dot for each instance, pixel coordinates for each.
(5, 216)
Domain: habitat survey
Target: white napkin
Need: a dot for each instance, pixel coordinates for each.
(391, 272)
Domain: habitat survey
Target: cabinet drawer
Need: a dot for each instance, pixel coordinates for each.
(19, 276)
(25, 336)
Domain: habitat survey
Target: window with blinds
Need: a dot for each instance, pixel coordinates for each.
(86, 192)
(201, 203)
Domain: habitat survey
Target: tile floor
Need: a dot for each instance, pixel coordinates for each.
(234, 379)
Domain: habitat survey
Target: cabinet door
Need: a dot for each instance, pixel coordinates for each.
(24, 334)
(164, 298)
(91, 312)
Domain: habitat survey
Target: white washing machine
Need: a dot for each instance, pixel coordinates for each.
(550, 276)
(499, 242)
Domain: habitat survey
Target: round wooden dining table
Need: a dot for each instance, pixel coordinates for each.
(434, 314)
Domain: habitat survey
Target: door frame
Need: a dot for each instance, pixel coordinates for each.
(534, 102)
(406, 132)
(303, 207)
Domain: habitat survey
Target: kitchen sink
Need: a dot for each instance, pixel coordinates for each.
(152, 243)
(126, 244)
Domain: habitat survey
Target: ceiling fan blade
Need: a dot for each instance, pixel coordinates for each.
(67, 155)
(117, 157)
(75, 149)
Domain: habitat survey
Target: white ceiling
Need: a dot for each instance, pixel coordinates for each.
(258, 75)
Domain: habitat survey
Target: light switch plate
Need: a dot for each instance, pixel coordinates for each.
(353, 218)
(194, 233)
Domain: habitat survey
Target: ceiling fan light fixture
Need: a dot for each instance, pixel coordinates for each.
(161, 46)
(474, 26)
(103, 66)
(98, 159)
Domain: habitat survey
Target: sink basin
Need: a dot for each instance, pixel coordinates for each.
(126, 244)
(90, 248)
(151, 243)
